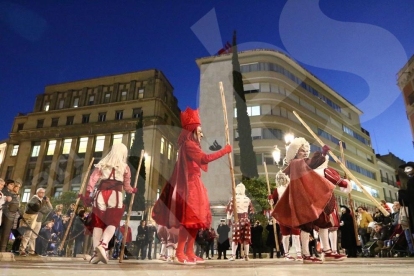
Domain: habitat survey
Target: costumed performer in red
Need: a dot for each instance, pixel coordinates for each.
(309, 200)
(114, 176)
(183, 202)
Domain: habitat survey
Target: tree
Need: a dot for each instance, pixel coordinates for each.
(66, 199)
(248, 162)
(133, 160)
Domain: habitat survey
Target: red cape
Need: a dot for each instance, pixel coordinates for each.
(305, 197)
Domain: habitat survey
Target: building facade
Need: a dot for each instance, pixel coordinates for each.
(388, 179)
(75, 121)
(405, 81)
(275, 86)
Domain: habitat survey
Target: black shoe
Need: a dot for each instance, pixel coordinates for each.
(218, 258)
(225, 258)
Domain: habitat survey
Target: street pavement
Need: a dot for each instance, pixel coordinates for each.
(75, 266)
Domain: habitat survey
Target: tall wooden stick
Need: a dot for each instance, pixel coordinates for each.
(271, 209)
(125, 234)
(76, 204)
(348, 173)
(226, 127)
(351, 202)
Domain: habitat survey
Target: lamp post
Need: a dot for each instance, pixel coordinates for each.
(289, 138)
(276, 155)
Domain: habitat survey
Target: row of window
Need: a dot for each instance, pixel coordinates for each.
(91, 100)
(169, 146)
(360, 170)
(267, 66)
(119, 115)
(274, 88)
(263, 133)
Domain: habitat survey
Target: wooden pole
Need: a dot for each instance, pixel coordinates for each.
(226, 126)
(351, 202)
(348, 173)
(76, 205)
(271, 209)
(125, 234)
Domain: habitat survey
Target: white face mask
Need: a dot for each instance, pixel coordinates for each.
(408, 170)
(343, 209)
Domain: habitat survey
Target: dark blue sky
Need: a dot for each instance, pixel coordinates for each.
(47, 42)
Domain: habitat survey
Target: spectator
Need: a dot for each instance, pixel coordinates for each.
(257, 240)
(201, 242)
(17, 235)
(270, 242)
(10, 209)
(404, 221)
(71, 210)
(366, 218)
(151, 231)
(38, 204)
(380, 234)
(45, 236)
(396, 214)
(3, 198)
(142, 239)
(119, 235)
(211, 236)
(78, 230)
(58, 225)
(348, 239)
(223, 243)
(385, 205)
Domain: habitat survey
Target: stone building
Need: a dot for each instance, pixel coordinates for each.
(275, 85)
(75, 121)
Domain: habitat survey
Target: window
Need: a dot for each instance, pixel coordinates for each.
(77, 172)
(20, 127)
(61, 103)
(132, 139)
(251, 88)
(119, 114)
(69, 120)
(355, 135)
(165, 117)
(330, 137)
(141, 93)
(272, 133)
(30, 173)
(256, 133)
(102, 117)
(169, 151)
(76, 102)
(9, 172)
(117, 139)
(136, 113)
(46, 107)
(35, 150)
(99, 144)
(83, 144)
(85, 118)
(91, 100)
(40, 123)
(162, 145)
(66, 146)
(360, 170)
(15, 150)
(107, 98)
(26, 195)
(55, 122)
(58, 192)
(51, 147)
(124, 95)
(253, 110)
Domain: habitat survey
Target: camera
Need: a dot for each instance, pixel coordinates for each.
(45, 197)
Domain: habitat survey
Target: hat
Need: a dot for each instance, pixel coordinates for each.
(294, 147)
(408, 164)
(222, 219)
(190, 117)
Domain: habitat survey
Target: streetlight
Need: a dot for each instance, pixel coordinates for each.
(289, 138)
(276, 154)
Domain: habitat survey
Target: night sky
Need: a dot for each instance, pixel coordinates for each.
(356, 47)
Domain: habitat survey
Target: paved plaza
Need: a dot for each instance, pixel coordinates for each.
(62, 266)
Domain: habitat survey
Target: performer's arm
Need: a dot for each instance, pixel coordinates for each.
(95, 176)
(317, 159)
(251, 208)
(274, 197)
(201, 158)
(127, 181)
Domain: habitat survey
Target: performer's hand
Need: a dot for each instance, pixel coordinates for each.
(345, 186)
(86, 199)
(325, 150)
(134, 190)
(271, 202)
(227, 149)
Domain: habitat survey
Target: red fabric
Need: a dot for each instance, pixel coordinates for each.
(189, 252)
(129, 236)
(287, 231)
(306, 196)
(334, 218)
(275, 197)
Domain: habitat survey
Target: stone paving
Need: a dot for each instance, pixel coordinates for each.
(74, 266)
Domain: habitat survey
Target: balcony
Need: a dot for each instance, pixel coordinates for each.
(388, 181)
(389, 199)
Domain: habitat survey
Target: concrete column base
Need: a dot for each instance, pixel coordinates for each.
(7, 257)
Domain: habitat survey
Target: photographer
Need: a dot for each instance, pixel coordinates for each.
(10, 209)
(38, 206)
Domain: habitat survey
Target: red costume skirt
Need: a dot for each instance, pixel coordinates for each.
(241, 229)
(107, 209)
(286, 231)
(197, 213)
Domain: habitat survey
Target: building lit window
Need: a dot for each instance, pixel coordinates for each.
(253, 110)
(117, 139)
(15, 150)
(76, 102)
(169, 151)
(58, 192)
(162, 145)
(83, 144)
(51, 147)
(61, 104)
(35, 150)
(26, 195)
(66, 146)
(136, 113)
(132, 139)
(91, 100)
(55, 122)
(69, 120)
(141, 93)
(124, 95)
(100, 142)
(46, 107)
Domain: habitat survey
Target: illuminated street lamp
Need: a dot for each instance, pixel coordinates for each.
(276, 154)
(289, 138)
